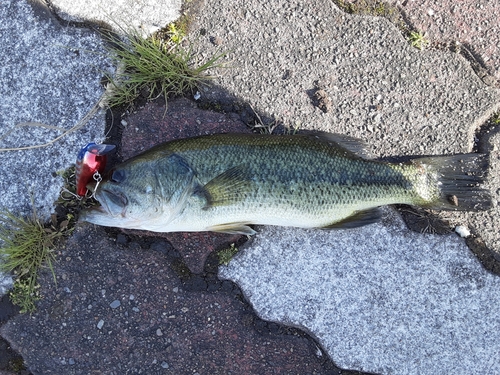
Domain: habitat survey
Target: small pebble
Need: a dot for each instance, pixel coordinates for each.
(71, 361)
(131, 297)
(462, 231)
(100, 324)
(115, 304)
(215, 40)
(135, 309)
(121, 239)
(159, 332)
(164, 364)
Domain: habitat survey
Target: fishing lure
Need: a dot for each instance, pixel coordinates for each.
(90, 164)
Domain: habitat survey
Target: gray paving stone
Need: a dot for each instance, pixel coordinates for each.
(51, 75)
(406, 303)
(144, 15)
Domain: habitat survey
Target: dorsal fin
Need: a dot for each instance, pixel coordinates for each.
(355, 145)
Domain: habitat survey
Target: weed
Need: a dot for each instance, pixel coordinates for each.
(175, 33)
(227, 254)
(265, 129)
(161, 64)
(495, 119)
(68, 200)
(27, 247)
(272, 127)
(418, 40)
(260, 126)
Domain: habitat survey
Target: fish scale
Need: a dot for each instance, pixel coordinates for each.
(226, 182)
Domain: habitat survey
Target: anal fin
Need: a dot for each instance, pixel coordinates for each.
(356, 220)
(232, 228)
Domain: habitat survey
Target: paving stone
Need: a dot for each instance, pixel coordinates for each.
(406, 304)
(205, 332)
(146, 16)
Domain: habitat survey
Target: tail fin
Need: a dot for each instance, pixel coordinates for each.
(459, 179)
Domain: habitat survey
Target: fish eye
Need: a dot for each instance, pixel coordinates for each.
(117, 176)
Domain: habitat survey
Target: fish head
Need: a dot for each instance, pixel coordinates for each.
(145, 192)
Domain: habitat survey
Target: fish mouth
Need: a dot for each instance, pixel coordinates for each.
(112, 203)
(110, 212)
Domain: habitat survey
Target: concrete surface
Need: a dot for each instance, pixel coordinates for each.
(473, 24)
(389, 320)
(146, 16)
(51, 75)
(398, 99)
(127, 309)
(407, 304)
(302, 64)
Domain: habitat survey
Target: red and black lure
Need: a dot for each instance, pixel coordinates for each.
(90, 164)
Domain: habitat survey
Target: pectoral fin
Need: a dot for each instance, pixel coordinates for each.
(233, 228)
(229, 187)
(356, 220)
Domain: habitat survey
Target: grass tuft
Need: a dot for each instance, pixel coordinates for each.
(27, 246)
(161, 64)
(418, 40)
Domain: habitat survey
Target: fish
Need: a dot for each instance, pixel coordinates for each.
(228, 182)
(91, 159)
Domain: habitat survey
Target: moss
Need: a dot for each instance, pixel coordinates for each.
(367, 7)
(17, 365)
(225, 255)
(495, 119)
(174, 32)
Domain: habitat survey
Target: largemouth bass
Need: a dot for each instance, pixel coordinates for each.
(226, 182)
